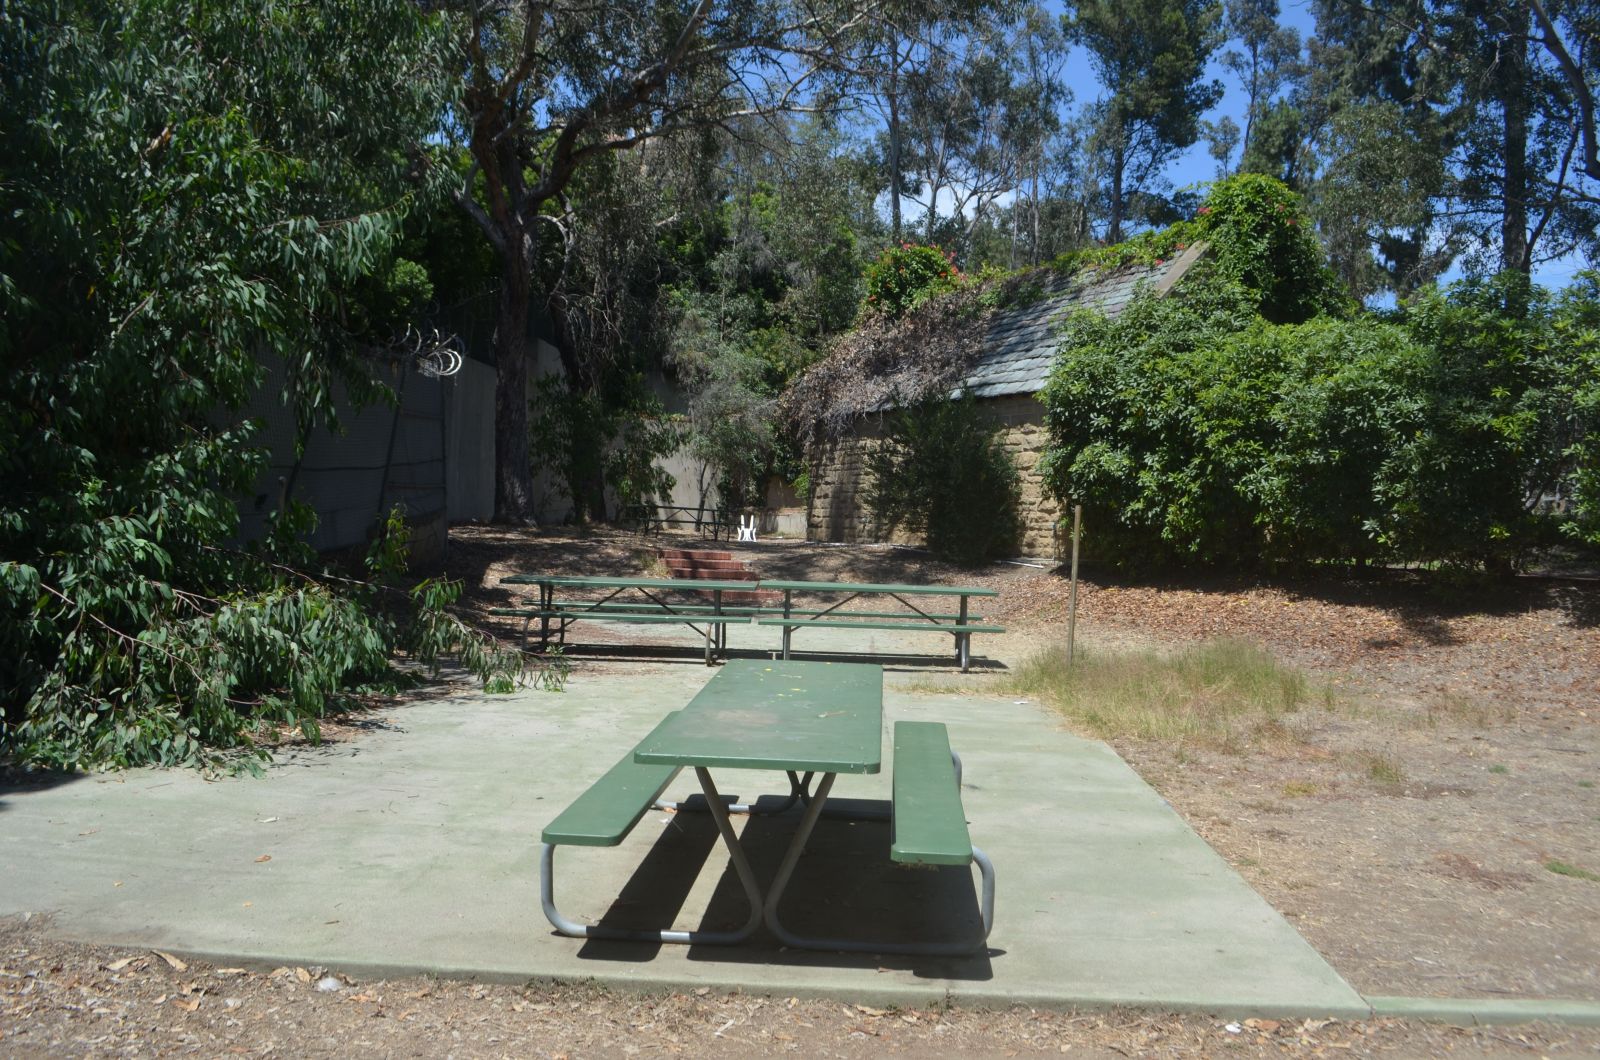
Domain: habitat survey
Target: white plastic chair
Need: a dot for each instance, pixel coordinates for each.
(747, 528)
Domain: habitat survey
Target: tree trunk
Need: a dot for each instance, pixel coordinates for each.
(587, 469)
(894, 141)
(1515, 251)
(513, 474)
(1033, 216)
(1118, 164)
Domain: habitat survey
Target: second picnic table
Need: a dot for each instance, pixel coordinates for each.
(644, 600)
(710, 616)
(958, 624)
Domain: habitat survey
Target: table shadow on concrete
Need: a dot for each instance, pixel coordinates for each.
(844, 886)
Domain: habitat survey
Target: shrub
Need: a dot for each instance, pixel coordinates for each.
(943, 472)
(589, 445)
(905, 276)
(1194, 430)
(192, 191)
(1262, 239)
(1512, 417)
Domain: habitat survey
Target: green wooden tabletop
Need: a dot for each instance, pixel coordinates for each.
(867, 587)
(770, 714)
(583, 581)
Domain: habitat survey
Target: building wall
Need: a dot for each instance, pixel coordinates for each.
(837, 509)
(434, 456)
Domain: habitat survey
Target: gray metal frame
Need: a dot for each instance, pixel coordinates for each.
(921, 949)
(766, 910)
(741, 864)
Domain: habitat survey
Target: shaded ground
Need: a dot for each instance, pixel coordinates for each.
(61, 999)
(1411, 826)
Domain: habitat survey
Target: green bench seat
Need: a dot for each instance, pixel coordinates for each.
(561, 618)
(909, 623)
(604, 814)
(619, 616)
(929, 825)
(645, 607)
(804, 612)
(602, 817)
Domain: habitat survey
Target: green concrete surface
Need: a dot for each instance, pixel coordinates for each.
(414, 847)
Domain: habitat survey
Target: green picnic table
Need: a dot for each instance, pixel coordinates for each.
(712, 623)
(957, 624)
(644, 600)
(798, 718)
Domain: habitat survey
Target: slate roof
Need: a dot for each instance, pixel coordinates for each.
(1020, 344)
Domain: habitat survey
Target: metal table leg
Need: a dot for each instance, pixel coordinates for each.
(932, 949)
(799, 791)
(736, 854)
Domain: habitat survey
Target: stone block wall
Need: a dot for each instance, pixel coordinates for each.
(837, 509)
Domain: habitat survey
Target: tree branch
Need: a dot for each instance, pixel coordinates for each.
(1580, 88)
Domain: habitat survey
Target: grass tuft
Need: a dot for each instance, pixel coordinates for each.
(1465, 710)
(651, 565)
(1561, 868)
(1224, 694)
(1381, 769)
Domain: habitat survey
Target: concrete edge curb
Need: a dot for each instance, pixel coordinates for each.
(1473, 1012)
(1461, 1012)
(934, 993)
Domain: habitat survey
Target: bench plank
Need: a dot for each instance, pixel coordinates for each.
(910, 625)
(930, 826)
(620, 616)
(646, 608)
(604, 814)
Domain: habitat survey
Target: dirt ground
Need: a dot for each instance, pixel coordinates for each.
(1408, 829)
(59, 999)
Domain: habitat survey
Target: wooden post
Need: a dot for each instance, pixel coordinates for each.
(1072, 606)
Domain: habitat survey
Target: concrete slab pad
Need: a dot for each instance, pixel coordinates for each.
(415, 846)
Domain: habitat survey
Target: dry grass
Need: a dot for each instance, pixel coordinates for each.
(1223, 694)
(1465, 710)
(651, 565)
(1379, 768)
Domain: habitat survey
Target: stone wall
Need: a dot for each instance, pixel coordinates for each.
(837, 510)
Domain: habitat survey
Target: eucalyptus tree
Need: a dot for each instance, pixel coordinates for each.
(1502, 92)
(190, 190)
(978, 116)
(761, 282)
(552, 86)
(1265, 62)
(1151, 58)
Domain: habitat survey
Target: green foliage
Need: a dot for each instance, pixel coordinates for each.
(1259, 238)
(943, 472)
(1195, 431)
(583, 438)
(190, 189)
(1575, 331)
(1262, 240)
(904, 277)
(1511, 418)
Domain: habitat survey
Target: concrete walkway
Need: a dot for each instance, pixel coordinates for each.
(414, 848)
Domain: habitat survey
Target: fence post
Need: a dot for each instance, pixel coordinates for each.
(1072, 606)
